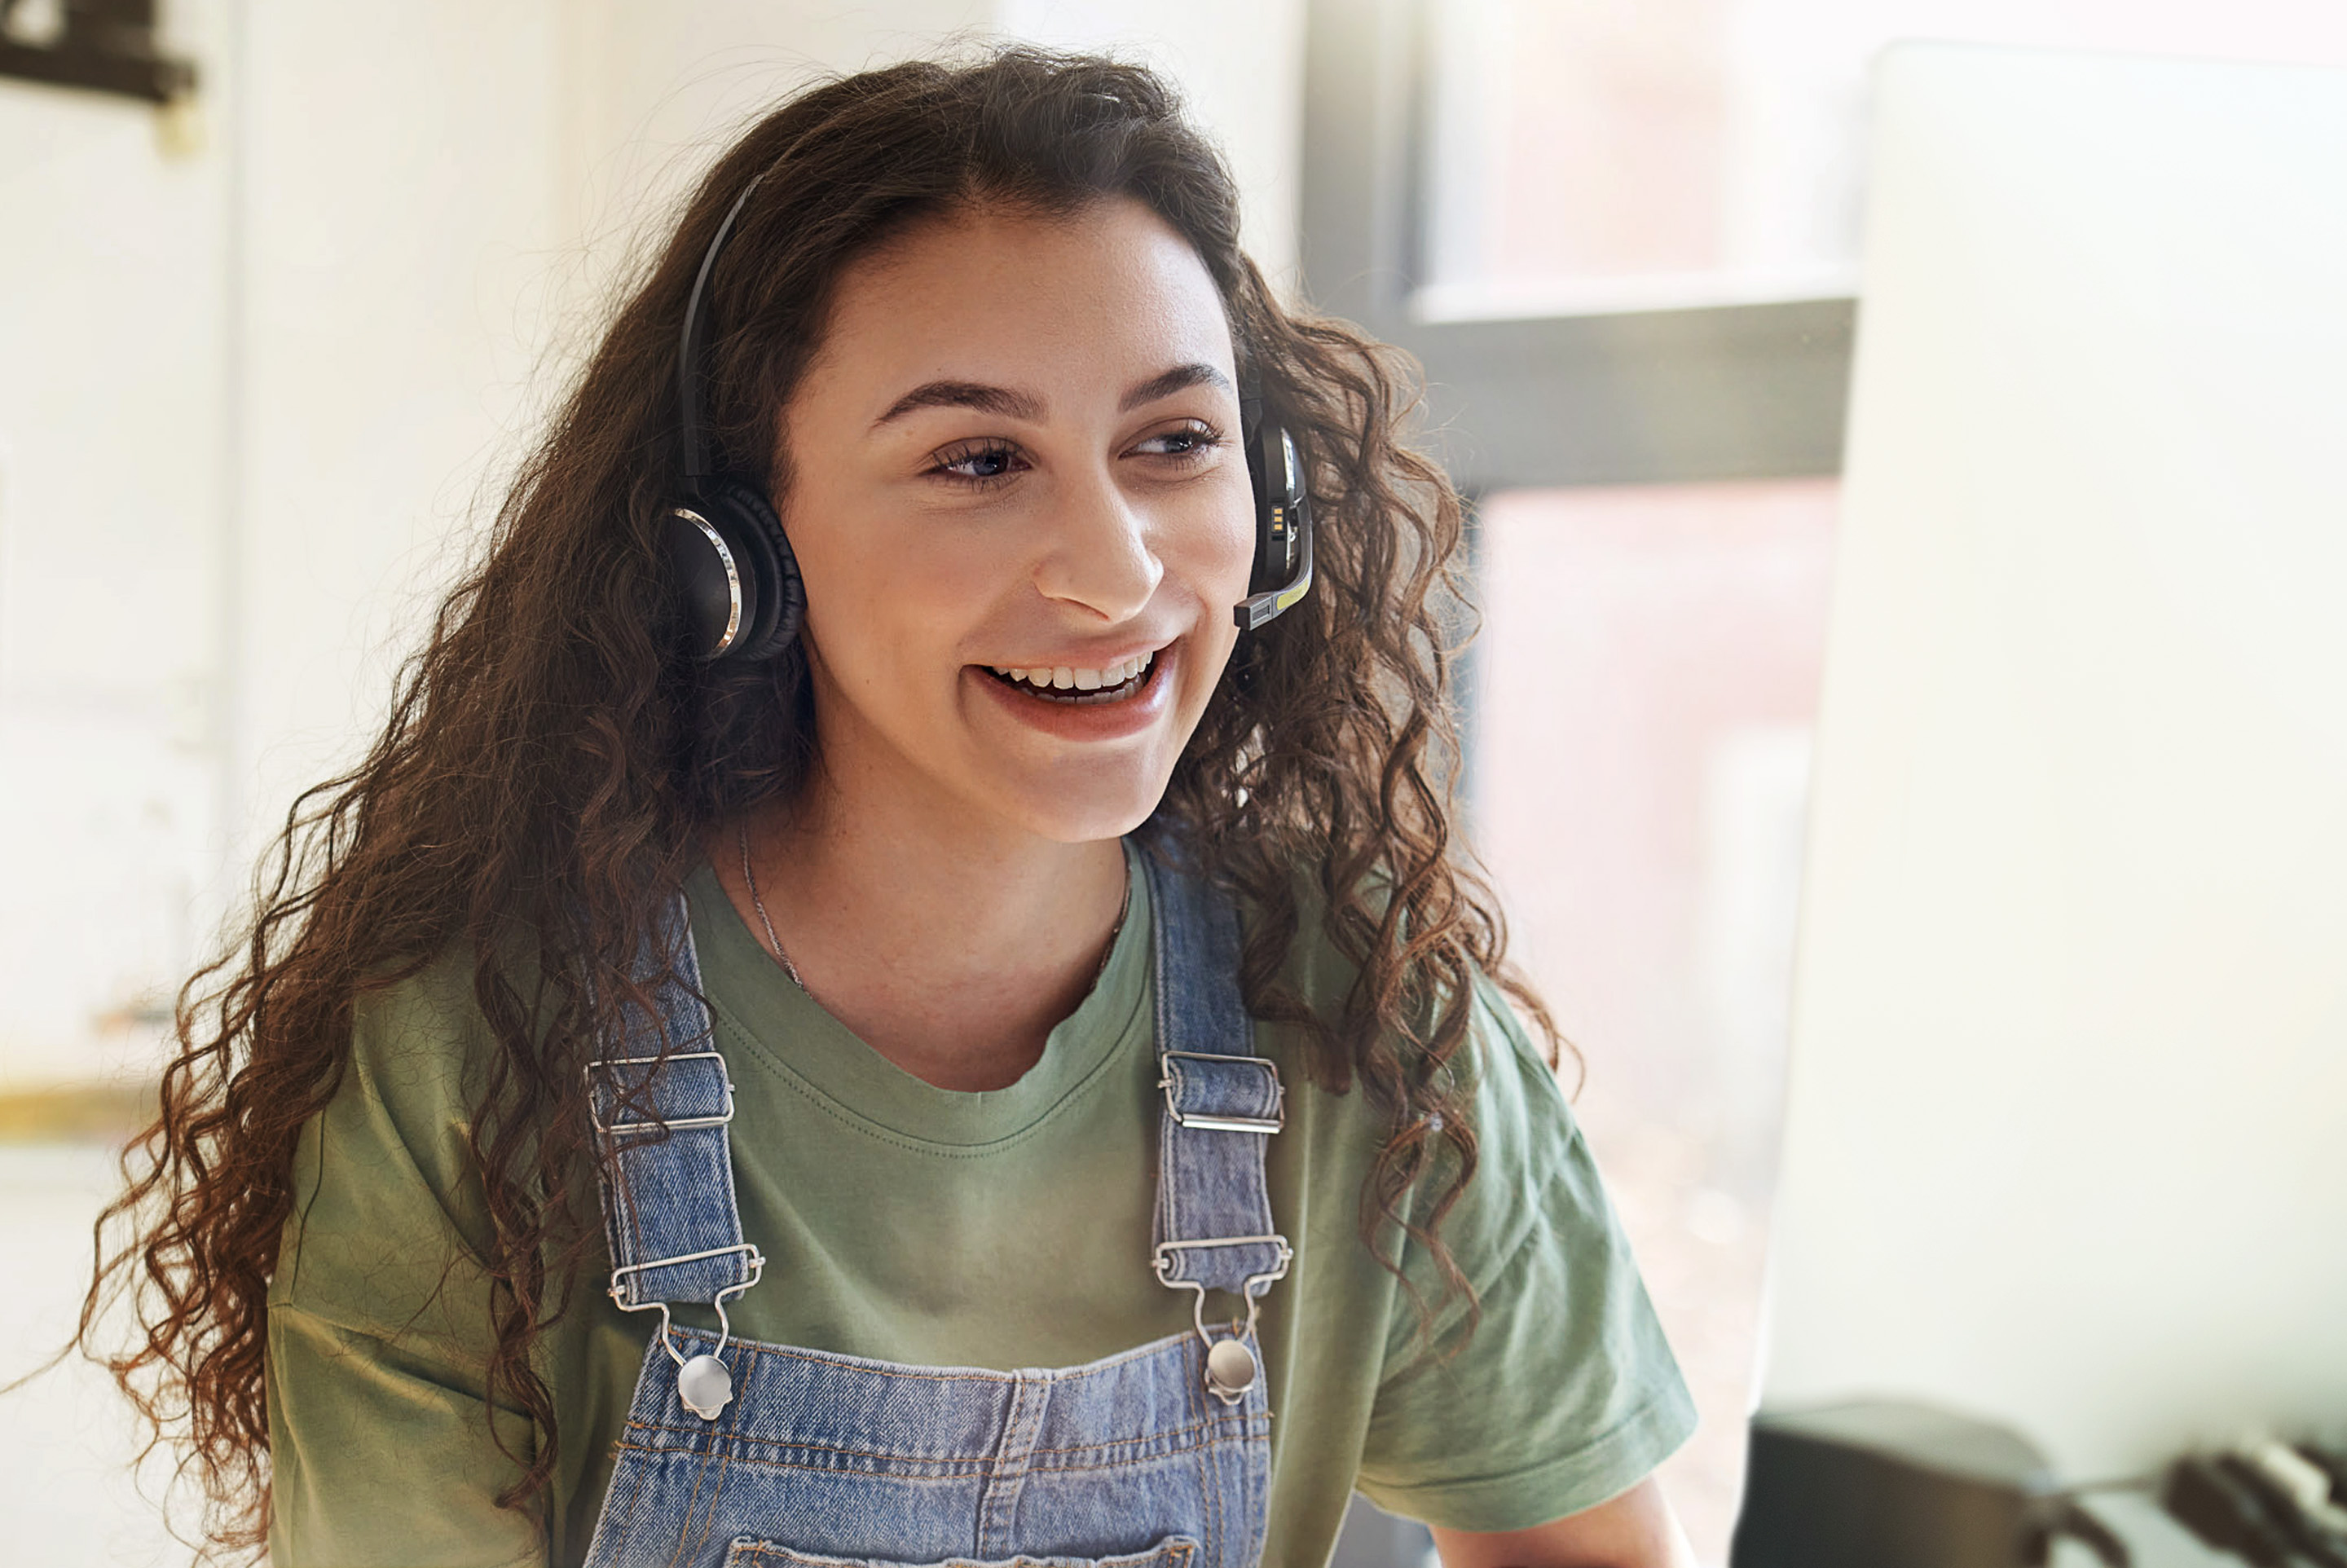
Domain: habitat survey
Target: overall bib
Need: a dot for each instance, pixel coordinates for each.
(752, 1455)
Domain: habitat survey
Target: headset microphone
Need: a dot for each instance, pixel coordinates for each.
(1283, 522)
(739, 581)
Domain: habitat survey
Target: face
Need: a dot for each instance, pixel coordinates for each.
(1021, 505)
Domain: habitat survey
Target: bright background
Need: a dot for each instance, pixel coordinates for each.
(262, 364)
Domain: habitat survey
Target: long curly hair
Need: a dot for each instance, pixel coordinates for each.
(552, 756)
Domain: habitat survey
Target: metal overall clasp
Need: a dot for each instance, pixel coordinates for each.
(1231, 1367)
(704, 1382)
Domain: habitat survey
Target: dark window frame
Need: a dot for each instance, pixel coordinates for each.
(1716, 392)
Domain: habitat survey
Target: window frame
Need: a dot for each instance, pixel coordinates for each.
(1702, 393)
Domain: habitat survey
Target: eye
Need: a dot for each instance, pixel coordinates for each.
(1185, 443)
(978, 462)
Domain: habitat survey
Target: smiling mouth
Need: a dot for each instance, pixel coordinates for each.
(1079, 688)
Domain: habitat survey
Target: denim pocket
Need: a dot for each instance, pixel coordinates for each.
(1173, 1552)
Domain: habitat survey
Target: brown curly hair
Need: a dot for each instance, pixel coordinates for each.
(552, 756)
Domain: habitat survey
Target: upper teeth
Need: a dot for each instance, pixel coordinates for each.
(1065, 679)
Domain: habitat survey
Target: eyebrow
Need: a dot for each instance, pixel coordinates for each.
(1179, 379)
(1013, 403)
(978, 394)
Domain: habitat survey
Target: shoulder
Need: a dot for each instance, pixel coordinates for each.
(386, 1191)
(1524, 1133)
(1550, 1387)
(1547, 1385)
(1498, 1057)
(419, 1056)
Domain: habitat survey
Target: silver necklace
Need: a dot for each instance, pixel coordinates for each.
(749, 879)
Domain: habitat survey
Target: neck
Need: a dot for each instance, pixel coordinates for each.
(949, 947)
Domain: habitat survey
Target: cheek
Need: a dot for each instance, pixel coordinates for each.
(852, 590)
(1238, 554)
(883, 599)
(1218, 543)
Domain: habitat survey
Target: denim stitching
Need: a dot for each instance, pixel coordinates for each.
(1236, 1427)
(758, 1462)
(1211, 1424)
(1072, 1461)
(685, 1334)
(1173, 1557)
(1129, 1464)
(723, 1451)
(754, 1461)
(684, 1525)
(984, 1462)
(1207, 1474)
(627, 1520)
(709, 1519)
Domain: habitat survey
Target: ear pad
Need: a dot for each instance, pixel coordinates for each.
(771, 599)
(778, 599)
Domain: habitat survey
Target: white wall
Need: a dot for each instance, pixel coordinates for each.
(400, 206)
(1240, 63)
(254, 400)
(114, 424)
(653, 94)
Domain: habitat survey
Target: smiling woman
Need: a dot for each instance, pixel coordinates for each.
(1020, 1029)
(1071, 493)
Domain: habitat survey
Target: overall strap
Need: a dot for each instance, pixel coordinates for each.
(669, 1211)
(1223, 1102)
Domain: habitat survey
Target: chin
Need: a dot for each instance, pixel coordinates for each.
(1088, 817)
(1071, 790)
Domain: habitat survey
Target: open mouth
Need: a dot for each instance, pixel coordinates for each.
(1080, 688)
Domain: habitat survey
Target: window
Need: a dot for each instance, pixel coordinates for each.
(1587, 155)
(1655, 499)
(1647, 687)
(1623, 236)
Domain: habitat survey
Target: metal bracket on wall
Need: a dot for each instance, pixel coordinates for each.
(102, 45)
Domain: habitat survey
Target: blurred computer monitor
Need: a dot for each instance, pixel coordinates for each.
(2067, 1134)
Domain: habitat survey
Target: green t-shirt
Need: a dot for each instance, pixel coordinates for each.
(1003, 1229)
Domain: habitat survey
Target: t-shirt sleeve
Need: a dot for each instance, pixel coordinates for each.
(378, 1319)
(1565, 1393)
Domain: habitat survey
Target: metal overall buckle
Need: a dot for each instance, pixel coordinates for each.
(702, 1382)
(1170, 1081)
(680, 1124)
(1230, 1369)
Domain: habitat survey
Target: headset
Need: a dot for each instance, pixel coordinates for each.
(739, 582)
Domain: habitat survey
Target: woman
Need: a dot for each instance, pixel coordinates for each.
(1006, 964)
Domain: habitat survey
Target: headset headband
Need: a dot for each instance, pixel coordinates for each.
(697, 464)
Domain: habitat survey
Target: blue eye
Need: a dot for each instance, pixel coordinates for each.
(1191, 441)
(978, 464)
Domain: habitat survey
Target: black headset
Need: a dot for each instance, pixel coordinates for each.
(740, 582)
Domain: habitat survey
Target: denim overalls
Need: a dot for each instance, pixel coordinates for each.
(741, 1453)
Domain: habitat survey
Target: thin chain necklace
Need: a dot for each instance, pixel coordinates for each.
(749, 879)
(765, 919)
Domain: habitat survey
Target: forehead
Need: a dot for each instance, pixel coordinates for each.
(1098, 296)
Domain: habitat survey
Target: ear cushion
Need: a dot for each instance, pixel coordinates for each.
(775, 600)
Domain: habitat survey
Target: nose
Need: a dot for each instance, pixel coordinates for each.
(1099, 556)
